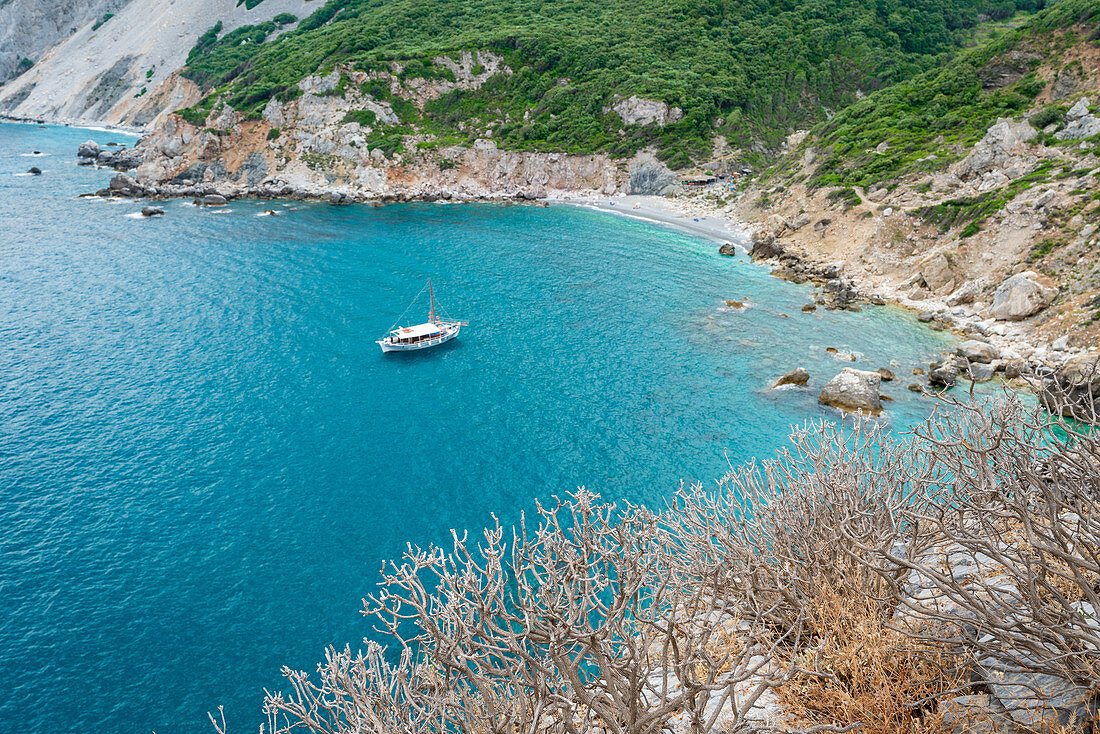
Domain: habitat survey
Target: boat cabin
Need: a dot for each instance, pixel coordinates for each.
(415, 334)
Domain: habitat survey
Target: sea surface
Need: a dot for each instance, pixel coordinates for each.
(205, 457)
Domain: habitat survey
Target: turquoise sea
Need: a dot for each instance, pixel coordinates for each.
(205, 458)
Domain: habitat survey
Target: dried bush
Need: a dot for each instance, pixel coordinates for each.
(813, 518)
(860, 577)
(864, 673)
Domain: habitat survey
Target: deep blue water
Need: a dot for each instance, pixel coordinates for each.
(204, 457)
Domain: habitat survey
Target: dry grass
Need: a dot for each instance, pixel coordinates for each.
(863, 672)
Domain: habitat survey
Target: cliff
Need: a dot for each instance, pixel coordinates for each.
(120, 71)
(332, 141)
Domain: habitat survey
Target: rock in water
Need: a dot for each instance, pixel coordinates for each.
(886, 374)
(853, 390)
(1023, 295)
(151, 211)
(728, 249)
(35, 171)
(976, 351)
(214, 200)
(944, 372)
(121, 182)
(89, 149)
(1074, 390)
(797, 376)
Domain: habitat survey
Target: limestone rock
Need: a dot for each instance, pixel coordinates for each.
(853, 390)
(1002, 141)
(649, 176)
(121, 181)
(797, 376)
(764, 247)
(635, 110)
(968, 292)
(151, 211)
(1022, 295)
(729, 249)
(798, 222)
(887, 375)
(214, 200)
(943, 373)
(88, 149)
(976, 351)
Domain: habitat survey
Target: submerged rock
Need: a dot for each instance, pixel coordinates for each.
(798, 376)
(853, 390)
(151, 211)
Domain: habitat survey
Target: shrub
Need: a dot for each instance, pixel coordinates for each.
(106, 17)
(274, 133)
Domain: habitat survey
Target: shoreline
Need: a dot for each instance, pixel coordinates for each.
(106, 127)
(659, 210)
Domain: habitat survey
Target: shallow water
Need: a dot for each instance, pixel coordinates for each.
(206, 457)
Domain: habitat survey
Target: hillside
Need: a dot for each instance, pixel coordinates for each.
(117, 68)
(938, 189)
(746, 72)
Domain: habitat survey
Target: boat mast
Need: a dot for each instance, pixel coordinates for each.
(431, 295)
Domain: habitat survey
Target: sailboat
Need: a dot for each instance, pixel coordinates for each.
(432, 333)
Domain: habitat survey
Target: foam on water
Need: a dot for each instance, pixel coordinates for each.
(206, 456)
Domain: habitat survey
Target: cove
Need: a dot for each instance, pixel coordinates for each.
(206, 457)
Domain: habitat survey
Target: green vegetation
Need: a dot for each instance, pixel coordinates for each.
(366, 118)
(248, 4)
(106, 17)
(285, 19)
(750, 70)
(274, 133)
(922, 123)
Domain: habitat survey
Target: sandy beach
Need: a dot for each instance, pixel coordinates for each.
(684, 215)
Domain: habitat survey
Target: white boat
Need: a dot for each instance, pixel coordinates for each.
(432, 333)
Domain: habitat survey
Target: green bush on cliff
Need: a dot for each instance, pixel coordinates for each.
(925, 122)
(749, 70)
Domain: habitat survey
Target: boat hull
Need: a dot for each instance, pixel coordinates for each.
(390, 345)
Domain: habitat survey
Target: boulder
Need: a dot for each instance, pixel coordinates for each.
(127, 159)
(979, 372)
(853, 390)
(765, 247)
(88, 149)
(1003, 140)
(797, 376)
(151, 211)
(1022, 295)
(968, 292)
(973, 350)
(121, 182)
(925, 316)
(798, 222)
(887, 375)
(35, 171)
(214, 200)
(728, 249)
(943, 373)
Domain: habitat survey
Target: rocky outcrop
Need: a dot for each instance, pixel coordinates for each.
(798, 376)
(1023, 295)
(1000, 148)
(649, 176)
(634, 110)
(854, 391)
(1079, 122)
(320, 149)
